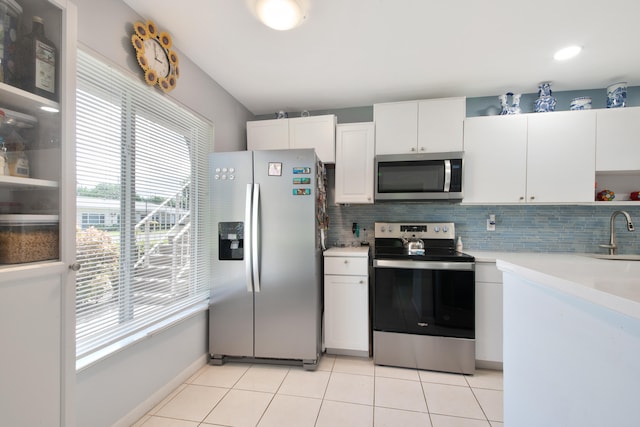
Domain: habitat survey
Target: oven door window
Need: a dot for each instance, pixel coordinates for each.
(425, 302)
(411, 176)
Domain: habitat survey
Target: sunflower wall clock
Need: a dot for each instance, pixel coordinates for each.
(155, 56)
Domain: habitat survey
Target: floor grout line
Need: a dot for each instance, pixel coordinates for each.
(346, 369)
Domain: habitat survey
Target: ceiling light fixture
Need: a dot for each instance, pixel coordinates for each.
(280, 14)
(567, 52)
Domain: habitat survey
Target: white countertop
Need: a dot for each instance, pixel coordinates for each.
(355, 251)
(609, 283)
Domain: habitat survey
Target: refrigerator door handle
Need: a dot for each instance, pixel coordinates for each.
(255, 236)
(247, 239)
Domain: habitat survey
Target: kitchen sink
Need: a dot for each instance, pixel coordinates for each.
(616, 257)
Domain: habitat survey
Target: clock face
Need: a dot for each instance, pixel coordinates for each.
(156, 57)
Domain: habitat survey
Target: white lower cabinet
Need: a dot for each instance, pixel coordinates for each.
(346, 301)
(31, 361)
(488, 315)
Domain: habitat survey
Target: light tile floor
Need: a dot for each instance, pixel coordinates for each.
(343, 391)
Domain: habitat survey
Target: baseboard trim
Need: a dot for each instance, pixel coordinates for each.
(487, 364)
(143, 408)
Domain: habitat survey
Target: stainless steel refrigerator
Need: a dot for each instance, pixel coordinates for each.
(268, 209)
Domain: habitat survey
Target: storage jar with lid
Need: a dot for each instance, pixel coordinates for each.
(28, 238)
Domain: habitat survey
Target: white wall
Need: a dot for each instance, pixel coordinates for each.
(115, 390)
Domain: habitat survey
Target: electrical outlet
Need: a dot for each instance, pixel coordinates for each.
(490, 226)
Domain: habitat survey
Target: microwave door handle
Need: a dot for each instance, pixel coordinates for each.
(255, 238)
(248, 244)
(447, 176)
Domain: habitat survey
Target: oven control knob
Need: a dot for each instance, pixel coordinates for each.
(445, 229)
(382, 228)
(390, 229)
(436, 229)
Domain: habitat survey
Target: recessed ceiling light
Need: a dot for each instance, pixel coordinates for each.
(567, 52)
(279, 14)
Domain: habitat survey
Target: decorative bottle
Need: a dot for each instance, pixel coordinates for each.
(37, 59)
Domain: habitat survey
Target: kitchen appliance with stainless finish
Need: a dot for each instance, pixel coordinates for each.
(423, 298)
(266, 275)
(425, 176)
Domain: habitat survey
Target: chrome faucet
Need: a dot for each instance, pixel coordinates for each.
(613, 246)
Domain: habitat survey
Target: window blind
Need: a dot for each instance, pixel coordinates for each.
(142, 171)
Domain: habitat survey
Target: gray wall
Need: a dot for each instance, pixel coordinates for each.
(482, 106)
(123, 386)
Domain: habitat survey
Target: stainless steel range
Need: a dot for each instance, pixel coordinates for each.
(423, 298)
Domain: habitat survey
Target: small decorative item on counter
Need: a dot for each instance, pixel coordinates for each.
(545, 101)
(37, 62)
(605, 196)
(512, 107)
(617, 95)
(580, 103)
(635, 195)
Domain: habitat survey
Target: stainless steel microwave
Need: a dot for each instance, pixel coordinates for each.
(429, 176)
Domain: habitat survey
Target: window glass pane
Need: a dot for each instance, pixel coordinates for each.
(141, 200)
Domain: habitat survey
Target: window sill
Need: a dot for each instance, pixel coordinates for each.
(97, 356)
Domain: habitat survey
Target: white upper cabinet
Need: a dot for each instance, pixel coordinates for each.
(354, 163)
(396, 127)
(532, 158)
(495, 159)
(440, 124)
(268, 134)
(315, 132)
(301, 132)
(618, 139)
(425, 126)
(561, 157)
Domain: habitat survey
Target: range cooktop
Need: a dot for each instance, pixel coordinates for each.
(437, 240)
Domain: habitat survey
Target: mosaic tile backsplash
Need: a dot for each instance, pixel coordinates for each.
(534, 228)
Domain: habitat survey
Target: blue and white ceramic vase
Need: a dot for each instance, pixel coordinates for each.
(510, 107)
(617, 95)
(545, 101)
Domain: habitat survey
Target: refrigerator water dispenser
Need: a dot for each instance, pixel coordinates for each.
(231, 240)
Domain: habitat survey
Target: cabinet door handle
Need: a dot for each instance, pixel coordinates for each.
(346, 261)
(533, 197)
(361, 282)
(413, 148)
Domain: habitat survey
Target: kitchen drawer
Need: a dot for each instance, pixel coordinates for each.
(351, 266)
(488, 272)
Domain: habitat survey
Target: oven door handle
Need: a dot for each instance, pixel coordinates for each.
(424, 265)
